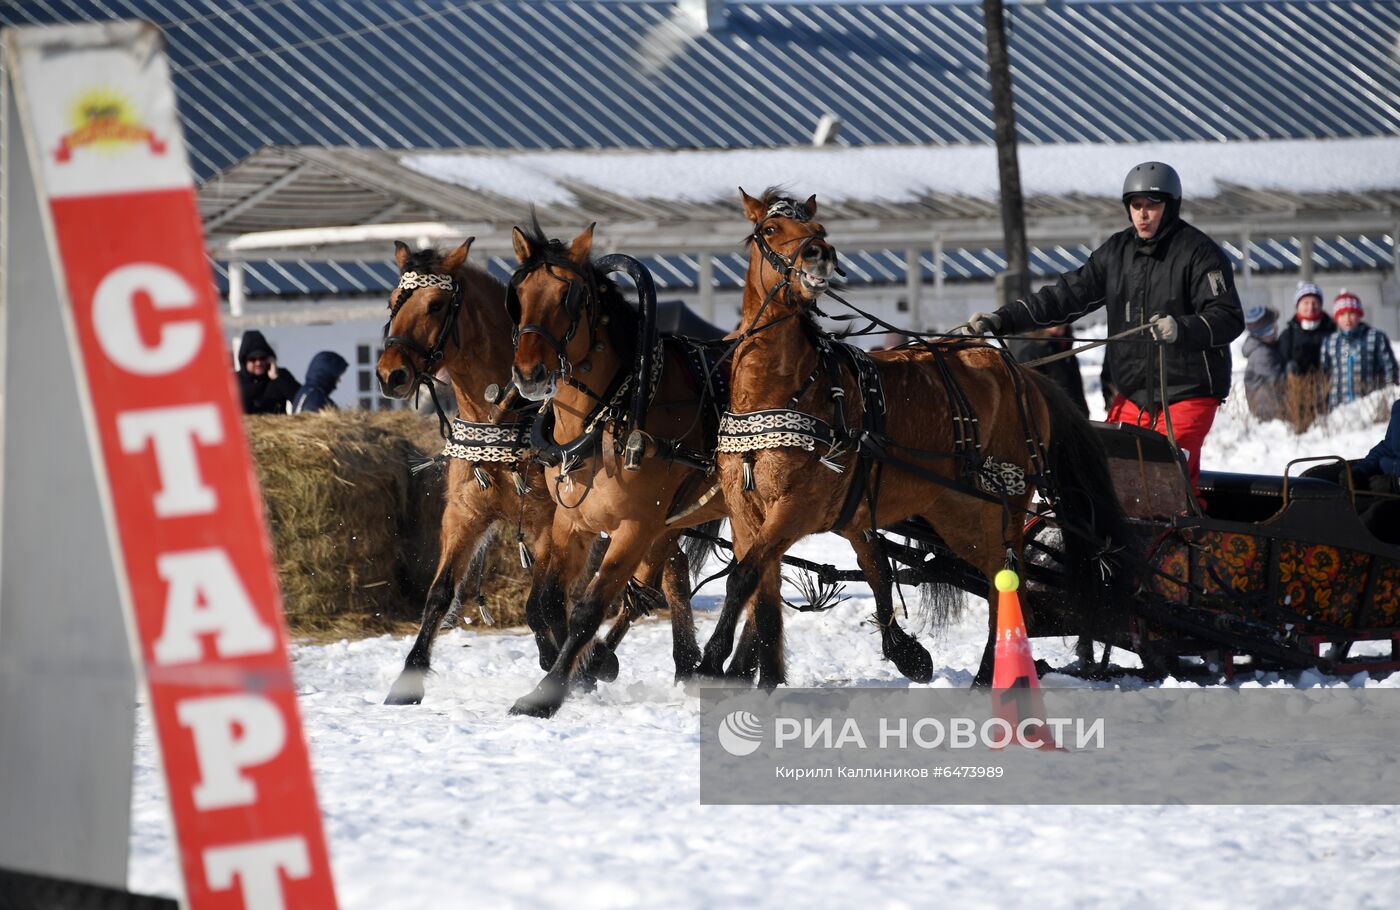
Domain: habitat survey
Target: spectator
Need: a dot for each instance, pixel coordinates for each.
(1063, 372)
(322, 376)
(1162, 273)
(1264, 380)
(1356, 358)
(1379, 473)
(265, 388)
(1300, 342)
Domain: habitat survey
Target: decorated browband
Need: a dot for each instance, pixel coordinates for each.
(786, 208)
(411, 281)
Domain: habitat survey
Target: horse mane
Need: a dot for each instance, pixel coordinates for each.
(622, 316)
(428, 261)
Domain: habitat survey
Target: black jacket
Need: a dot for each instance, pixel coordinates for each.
(1300, 348)
(1181, 272)
(262, 395)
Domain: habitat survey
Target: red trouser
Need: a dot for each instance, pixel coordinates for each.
(1191, 420)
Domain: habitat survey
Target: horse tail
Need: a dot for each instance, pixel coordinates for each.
(1095, 531)
(700, 546)
(941, 600)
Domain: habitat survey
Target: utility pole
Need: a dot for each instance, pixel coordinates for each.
(1015, 282)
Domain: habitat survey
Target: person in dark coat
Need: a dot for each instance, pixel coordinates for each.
(1379, 474)
(266, 389)
(1159, 273)
(1063, 372)
(1300, 342)
(322, 376)
(1264, 379)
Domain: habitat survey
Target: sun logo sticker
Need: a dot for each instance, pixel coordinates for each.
(105, 120)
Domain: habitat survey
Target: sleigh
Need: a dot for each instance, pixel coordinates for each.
(1271, 573)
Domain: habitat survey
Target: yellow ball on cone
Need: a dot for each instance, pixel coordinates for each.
(1007, 580)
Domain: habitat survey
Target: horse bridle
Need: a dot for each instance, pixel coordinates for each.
(408, 283)
(579, 299)
(786, 265)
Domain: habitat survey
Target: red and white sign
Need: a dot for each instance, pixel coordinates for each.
(183, 509)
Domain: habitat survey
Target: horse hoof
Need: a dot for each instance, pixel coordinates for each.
(602, 663)
(536, 704)
(686, 670)
(406, 690)
(913, 661)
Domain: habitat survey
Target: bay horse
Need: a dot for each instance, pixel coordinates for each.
(447, 315)
(577, 346)
(954, 436)
(577, 349)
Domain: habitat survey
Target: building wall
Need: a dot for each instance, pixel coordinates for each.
(358, 342)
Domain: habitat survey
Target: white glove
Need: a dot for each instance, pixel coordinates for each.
(1165, 329)
(979, 324)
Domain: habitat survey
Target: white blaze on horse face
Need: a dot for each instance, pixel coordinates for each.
(257, 866)
(205, 597)
(173, 433)
(231, 733)
(114, 317)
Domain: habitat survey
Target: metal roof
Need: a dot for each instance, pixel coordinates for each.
(529, 74)
(290, 106)
(1350, 229)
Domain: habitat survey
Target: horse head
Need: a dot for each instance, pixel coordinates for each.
(423, 311)
(553, 301)
(788, 246)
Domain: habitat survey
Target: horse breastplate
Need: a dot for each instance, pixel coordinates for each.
(495, 442)
(774, 428)
(788, 427)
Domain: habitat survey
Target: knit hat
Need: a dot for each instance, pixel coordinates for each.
(1347, 302)
(1260, 320)
(1304, 289)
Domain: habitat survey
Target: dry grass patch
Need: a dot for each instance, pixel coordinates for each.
(354, 530)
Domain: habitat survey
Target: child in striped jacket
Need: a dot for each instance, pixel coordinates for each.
(1357, 359)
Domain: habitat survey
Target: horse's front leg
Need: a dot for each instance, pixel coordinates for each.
(675, 583)
(742, 583)
(463, 530)
(909, 657)
(546, 608)
(624, 554)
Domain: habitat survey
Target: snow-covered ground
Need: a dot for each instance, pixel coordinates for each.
(455, 804)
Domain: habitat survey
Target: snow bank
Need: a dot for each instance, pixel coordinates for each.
(905, 174)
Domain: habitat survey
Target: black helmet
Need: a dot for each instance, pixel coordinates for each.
(1152, 178)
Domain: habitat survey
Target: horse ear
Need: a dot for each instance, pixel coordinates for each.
(753, 208)
(453, 260)
(582, 246)
(401, 254)
(523, 250)
(811, 206)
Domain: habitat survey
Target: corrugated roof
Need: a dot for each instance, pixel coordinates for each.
(275, 75)
(527, 74)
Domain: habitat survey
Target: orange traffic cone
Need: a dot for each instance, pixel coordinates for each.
(1015, 683)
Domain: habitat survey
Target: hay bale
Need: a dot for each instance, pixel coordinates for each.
(354, 531)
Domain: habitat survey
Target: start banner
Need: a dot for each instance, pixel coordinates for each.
(181, 505)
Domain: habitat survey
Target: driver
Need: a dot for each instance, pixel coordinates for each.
(1158, 272)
